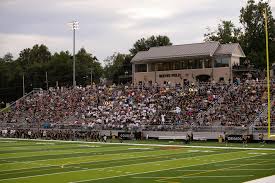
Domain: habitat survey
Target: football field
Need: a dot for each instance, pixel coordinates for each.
(25, 161)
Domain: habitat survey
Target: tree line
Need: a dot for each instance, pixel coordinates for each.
(41, 69)
(251, 33)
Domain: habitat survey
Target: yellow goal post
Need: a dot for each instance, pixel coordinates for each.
(268, 78)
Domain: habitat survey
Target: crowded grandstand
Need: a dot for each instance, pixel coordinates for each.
(93, 105)
(193, 107)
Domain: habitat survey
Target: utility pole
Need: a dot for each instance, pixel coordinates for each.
(74, 82)
(91, 76)
(47, 84)
(23, 81)
(75, 26)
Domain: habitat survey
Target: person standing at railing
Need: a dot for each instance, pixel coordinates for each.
(261, 138)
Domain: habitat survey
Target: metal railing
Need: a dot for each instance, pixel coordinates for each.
(23, 97)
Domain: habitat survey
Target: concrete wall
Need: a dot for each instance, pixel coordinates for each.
(156, 134)
(177, 76)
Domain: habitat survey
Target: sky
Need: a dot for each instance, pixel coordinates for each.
(108, 26)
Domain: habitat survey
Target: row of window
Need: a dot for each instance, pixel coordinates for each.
(180, 65)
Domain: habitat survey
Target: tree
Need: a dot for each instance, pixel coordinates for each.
(84, 63)
(59, 69)
(252, 20)
(36, 61)
(36, 54)
(226, 32)
(40, 54)
(145, 44)
(24, 57)
(8, 57)
(117, 65)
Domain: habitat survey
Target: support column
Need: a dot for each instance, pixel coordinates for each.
(133, 74)
(230, 70)
(212, 75)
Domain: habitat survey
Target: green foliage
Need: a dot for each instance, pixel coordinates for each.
(145, 44)
(84, 63)
(252, 35)
(252, 19)
(34, 62)
(118, 66)
(7, 57)
(226, 33)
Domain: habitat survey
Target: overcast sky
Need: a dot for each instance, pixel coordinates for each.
(108, 26)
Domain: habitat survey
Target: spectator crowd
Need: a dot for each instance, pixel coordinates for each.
(127, 107)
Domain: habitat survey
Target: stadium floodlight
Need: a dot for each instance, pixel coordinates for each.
(75, 26)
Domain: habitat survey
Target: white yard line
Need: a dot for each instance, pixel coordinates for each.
(152, 171)
(208, 171)
(244, 169)
(269, 179)
(190, 177)
(127, 165)
(97, 152)
(249, 163)
(156, 145)
(72, 163)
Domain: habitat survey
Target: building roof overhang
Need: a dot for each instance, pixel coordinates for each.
(177, 52)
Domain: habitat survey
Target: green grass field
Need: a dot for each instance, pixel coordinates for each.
(56, 161)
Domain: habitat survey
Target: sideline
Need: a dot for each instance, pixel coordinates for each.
(133, 144)
(269, 179)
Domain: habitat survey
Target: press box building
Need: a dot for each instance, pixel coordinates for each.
(206, 61)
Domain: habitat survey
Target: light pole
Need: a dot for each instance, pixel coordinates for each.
(23, 82)
(75, 26)
(47, 83)
(91, 77)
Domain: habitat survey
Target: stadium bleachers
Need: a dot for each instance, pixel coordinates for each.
(156, 108)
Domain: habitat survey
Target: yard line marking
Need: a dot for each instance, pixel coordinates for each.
(228, 169)
(190, 170)
(72, 152)
(71, 163)
(264, 159)
(97, 150)
(209, 171)
(153, 171)
(248, 163)
(140, 148)
(27, 169)
(156, 145)
(130, 165)
(269, 179)
(203, 176)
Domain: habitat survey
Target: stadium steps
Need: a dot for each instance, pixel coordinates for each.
(262, 115)
(13, 104)
(199, 117)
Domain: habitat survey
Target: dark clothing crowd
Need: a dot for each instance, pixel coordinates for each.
(135, 108)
